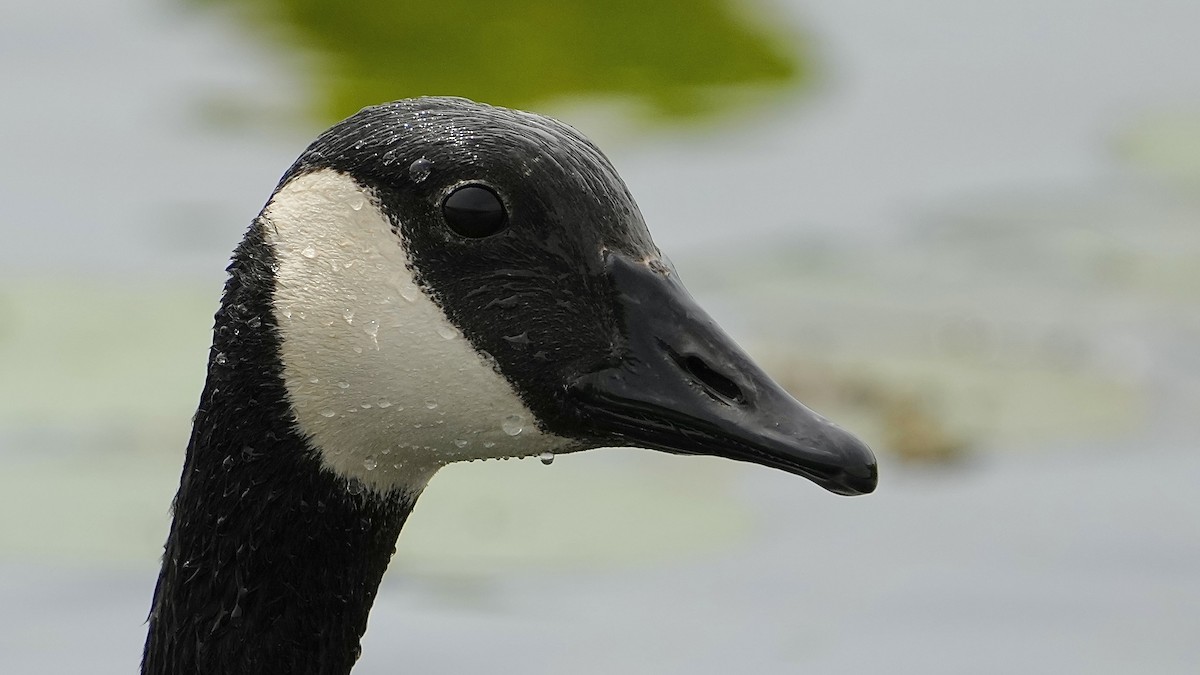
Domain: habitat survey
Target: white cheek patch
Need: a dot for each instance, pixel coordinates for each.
(384, 385)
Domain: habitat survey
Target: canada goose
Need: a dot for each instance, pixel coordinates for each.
(433, 280)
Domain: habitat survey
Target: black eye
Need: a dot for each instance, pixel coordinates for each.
(474, 211)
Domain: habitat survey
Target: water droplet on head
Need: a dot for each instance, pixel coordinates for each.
(420, 169)
(327, 413)
(314, 380)
(357, 201)
(547, 458)
(461, 442)
(343, 385)
(354, 487)
(309, 252)
(221, 359)
(370, 463)
(431, 404)
(383, 403)
(521, 339)
(372, 329)
(408, 290)
(489, 444)
(348, 315)
(512, 425)
(448, 332)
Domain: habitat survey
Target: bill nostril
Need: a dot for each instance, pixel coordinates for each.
(723, 387)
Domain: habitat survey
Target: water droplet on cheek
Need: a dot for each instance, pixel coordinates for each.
(357, 202)
(348, 315)
(512, 425)
(447, 332)
(408, 291)
(309, 252)
(370, 463)
(327, 413)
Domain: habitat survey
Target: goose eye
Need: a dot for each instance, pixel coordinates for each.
(474, 211)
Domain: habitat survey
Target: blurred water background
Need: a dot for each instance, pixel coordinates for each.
(968, 231)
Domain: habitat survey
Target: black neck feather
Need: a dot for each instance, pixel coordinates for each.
(272, 564)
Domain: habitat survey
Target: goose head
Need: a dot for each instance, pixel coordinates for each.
(432, 281)
(455, 281)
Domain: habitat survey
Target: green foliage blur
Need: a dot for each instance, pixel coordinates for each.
(669, 57)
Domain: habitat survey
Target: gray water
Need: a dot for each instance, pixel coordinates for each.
(992, 209)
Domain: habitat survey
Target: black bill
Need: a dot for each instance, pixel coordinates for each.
(684, 386)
